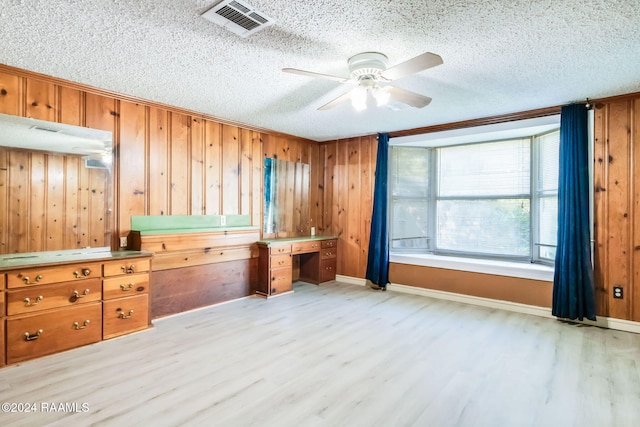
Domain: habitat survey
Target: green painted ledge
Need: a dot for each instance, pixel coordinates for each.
(175, 224)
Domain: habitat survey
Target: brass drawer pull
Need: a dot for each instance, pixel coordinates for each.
(77, 294)
(29, 337)
(27, 281)
(128, 270)
(126, 288)
(29, 303)
(77, 326)
(85, 272)
(124, 316)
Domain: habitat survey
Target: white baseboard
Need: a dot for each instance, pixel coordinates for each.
(603, 322)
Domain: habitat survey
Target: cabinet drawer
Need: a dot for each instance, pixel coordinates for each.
(45, 276)
(124, 315)
(3, 278)
(279, 261)
(37, 298)
(305, 247)
(280, 281)
(1, 304)
(280, 249)
(31, 336)
(125, 286)
(327, 253)
(327, 270)
(129, 266)
(333, 243)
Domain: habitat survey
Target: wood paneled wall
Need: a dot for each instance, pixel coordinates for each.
(168, 161)
(617, 205)
(347, 199)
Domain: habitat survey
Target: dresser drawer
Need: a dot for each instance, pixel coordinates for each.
(124, 315)
(124, 286)
(131, 266)
(45, 276)
(333, 243)
(1, 304)
(3, 278)
(280, 249)
(280, 281)
(31, 336)
(305, 247)
(37, 298)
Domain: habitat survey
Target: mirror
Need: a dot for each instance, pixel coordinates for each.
(286, 198)
(55, 186)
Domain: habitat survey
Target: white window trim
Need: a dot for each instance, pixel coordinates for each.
(476, 265)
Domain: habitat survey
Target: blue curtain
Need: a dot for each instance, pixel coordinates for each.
(378, 256)
(573, 288)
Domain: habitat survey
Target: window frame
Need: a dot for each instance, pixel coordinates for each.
(432, 199)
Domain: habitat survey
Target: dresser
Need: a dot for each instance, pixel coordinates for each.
(55, 301)
(316, 258)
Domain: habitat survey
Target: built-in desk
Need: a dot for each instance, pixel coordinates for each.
(317, 259)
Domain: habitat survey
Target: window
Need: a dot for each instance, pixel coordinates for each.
(495, 199)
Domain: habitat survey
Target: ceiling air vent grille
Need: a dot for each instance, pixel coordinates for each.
(237, 17)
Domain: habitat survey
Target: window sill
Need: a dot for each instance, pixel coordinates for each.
(499, 268)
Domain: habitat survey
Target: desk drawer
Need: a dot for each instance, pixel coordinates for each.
(31, 336)
(45, 276)
(280, 249)
(333, 243)
(280, 261)
(328, 253)
(327, 270)
(305, 247)
(124, 315)
(38, 298)
(125, 286)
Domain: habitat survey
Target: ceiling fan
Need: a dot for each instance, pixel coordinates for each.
(369, 72)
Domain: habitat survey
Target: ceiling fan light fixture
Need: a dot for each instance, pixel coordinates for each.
(359, 98)
(381, 95)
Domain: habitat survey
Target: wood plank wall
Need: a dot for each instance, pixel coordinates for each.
(168, 161)
(617, 205)
(347, 199)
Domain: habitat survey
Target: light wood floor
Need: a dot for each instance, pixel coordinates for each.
(341, 355)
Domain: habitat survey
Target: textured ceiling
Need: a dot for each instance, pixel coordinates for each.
(499, 56)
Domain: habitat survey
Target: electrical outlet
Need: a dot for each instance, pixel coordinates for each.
(618, 292)
(223, 220)
(123, 242)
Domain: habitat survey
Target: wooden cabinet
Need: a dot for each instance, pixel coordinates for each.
(274, 270)
(317, 260)
(126, 297)
(54, 306)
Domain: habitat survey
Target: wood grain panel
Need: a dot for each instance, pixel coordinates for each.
(132, 194)
(158, 153)
(618, 187)
(230, 170)
(634, 294)
(197, 167)
(213, 172)
(180, 162)
(41, 100)
(71, 108)
(72, 201)
(18, 180)
(10, 97)
(600, 202)
(4, 205)
(178, 290)
(37, 201)
(55, 207)
(257, 177)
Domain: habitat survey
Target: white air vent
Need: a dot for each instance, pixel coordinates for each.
(237, 17)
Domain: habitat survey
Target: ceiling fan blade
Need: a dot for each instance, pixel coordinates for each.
(318, 75)
(337, 101)
(407, 97)
(413, 65)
